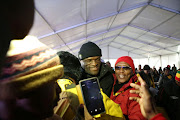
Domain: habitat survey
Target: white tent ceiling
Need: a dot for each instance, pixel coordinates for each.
(138, 28)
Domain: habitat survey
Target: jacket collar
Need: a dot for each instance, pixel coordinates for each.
(133, 79)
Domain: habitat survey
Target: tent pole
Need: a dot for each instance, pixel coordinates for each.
(178, 61)
(108, 52)
(148, 59)
(160, 61)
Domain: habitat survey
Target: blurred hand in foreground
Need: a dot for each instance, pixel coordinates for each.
(145, 100)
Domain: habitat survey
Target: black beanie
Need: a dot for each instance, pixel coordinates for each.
(89, 49)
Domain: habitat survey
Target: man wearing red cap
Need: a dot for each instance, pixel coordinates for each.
(124, 75)
(169, 97)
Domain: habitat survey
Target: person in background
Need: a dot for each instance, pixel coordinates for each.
(169, 97)
(168, 66)
(166, 77)
(28, 81)
(90, 58)
(145, 100)
(146, 75)
(109, 64)
(68, 104)
(139, 69)
(16, 20)
(124, 75)
(160, 71)
(155, 74)
(171, 71)
(72, 66)
(174, 69)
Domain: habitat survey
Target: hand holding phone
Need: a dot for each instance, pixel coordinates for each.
(92, 97)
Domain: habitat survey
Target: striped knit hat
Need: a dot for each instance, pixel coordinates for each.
(177, 77)
(29, 64)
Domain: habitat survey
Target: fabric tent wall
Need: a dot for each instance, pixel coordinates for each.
(159, 61)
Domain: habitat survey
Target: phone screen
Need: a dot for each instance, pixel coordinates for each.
(92, 96)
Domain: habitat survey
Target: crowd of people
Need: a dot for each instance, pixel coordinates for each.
(164, 87)
(36, 83)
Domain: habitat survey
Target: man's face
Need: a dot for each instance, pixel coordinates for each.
(92, 65)
(166, 72)
(147, 71)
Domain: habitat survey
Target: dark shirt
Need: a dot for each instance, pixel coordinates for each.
(169, 98)
(105, 77)
(117, 86)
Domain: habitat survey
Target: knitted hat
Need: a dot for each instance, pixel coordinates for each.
(72, 65)
(146, 67)
(177, 77)
(89, 49)
(168, 66)
(29, 64)
(128, 60)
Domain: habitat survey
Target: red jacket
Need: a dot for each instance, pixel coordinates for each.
(130, 108)
(158, 117)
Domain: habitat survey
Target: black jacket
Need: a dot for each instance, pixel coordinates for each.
(105, 77)
(169, 98)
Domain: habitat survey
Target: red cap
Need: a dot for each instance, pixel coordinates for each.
(128, 60)
(168, 66)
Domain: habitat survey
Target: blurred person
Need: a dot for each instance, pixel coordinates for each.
(168, 66)
(155, 74)
(28, 80)
(90, 58)
(166, 77)
(174, 69)
(68, 104)
(169, 97)
(171, 71)
(160, 71)
(124, 75)
(72, 66)
(109, 64)
(147, 76)
(17, 19)
(139, 69)
(145, 100)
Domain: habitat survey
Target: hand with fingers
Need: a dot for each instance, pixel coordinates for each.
(145, 100)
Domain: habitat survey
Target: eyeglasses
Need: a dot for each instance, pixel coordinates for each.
(90, 61)
(123, 67)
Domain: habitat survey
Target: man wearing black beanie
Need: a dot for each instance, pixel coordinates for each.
(90, 56)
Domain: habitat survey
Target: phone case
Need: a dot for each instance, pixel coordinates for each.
(92, 97)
